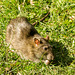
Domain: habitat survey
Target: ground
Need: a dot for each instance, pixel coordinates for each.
(59, 25)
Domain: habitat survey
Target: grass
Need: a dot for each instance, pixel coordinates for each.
(59, 25)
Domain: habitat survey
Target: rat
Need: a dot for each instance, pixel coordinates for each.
(27, 42)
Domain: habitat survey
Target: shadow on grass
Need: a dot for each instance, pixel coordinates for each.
(61, 54)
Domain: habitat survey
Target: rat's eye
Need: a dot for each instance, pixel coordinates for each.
(45, 48)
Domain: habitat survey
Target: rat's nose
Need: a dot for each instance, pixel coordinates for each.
(50, 56)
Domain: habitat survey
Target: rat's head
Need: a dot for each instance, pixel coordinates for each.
(43, 50)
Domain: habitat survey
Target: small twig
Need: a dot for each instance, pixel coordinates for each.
(41, 19)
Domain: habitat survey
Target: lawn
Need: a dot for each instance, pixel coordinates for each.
(59, 25)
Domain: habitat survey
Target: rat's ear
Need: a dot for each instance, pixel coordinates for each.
(36, 41)
(47, 38)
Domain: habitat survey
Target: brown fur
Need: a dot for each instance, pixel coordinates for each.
(23, 37)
